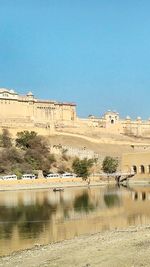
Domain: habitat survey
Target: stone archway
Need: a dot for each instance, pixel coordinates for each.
(142, 169)
(134, 168)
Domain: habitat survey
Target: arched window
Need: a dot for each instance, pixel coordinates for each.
(136, 196)
(148, 168)
(112, 121)
(134, 168)
(142, 169)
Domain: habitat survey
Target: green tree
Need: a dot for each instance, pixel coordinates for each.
(10, 159)
(37, 154)
(25, 138)
(31, 153)
(109, 165)
(82, 167)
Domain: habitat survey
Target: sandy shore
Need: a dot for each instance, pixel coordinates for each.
(119, 248)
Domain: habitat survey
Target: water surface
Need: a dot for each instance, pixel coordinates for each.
(35, 217)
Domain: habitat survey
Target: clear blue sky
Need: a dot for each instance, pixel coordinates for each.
(93, 52)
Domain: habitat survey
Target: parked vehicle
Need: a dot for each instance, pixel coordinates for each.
(68, 175)
(9, 177)
(28, 176)
(53, 175)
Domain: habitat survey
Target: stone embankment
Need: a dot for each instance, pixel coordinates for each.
(48, 183)
(63, 182)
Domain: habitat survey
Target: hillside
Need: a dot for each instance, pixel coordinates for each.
(112, 145)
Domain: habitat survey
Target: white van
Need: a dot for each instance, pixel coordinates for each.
(53, 175)
(10, 177)
(68, 175)
(28, 176)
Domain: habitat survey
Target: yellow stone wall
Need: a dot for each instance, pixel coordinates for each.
(25, 111)
(137, 161)
(29, 112)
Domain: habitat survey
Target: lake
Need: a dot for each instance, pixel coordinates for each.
(35, 217)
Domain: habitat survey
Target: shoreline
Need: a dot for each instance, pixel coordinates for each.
(40, 184)
(30, 185)
(119, 248)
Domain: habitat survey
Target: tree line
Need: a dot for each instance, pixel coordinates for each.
(30, 152)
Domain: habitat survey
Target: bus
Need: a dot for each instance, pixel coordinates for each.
(53, 175)
(9, 177)
(28, 176)
(68, 175)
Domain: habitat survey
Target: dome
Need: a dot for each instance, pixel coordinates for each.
(128, 118)
(138, 118)
(29, 94)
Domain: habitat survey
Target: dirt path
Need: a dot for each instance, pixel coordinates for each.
(124, 248)
(107, 140)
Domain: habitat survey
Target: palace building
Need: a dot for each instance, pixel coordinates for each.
(111, 122)
(28, 112)
(25, 110)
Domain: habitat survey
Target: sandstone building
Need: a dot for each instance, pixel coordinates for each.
(27, 111)
(20, 112)
(139, 162)
(111, 122)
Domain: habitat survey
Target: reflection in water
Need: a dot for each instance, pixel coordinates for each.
(143, 196)
(140, 195)
(82, 203)
(31, 217)
(28, 219)
(111, 200)
(136, 196)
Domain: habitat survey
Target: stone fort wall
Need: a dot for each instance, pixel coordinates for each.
(47, 116)
(17, 111)
(111, 122)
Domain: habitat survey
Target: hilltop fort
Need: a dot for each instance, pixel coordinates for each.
(47, 116)
(83, 137)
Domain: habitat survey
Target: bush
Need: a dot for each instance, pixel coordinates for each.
(109, 165)
(6, 140)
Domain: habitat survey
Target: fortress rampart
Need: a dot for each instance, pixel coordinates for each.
(20, 112)
(112, 123)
